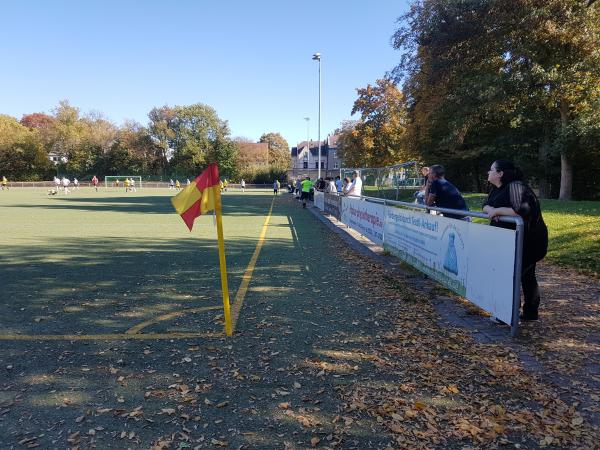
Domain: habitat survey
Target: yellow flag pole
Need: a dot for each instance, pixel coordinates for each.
(223, 265)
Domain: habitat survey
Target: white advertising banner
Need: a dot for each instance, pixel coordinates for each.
(365, 217)
(320, 200)
(476, 261)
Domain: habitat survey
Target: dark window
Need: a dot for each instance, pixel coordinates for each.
(322, 164)
(305, 165)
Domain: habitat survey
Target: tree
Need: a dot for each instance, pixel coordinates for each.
(22, 155)
(279, 150)
(479, 74)
(195, 135)
(377, 139)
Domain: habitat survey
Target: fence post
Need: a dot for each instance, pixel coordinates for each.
(514, 326)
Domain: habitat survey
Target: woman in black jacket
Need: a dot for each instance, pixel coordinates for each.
(511, 196)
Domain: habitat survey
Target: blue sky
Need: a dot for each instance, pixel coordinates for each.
(250, 60)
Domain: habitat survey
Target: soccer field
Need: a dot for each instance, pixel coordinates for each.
(108, 264)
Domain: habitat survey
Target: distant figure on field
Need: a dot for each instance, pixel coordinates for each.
(243, 185)
(4, 183)
(177, 185)
(132, 185)
(126, 183)
(52, 191)
(171, 184)
(65, 183)
(276, 187)
(442, 193)
(75, 183)
(298, 187)
(225, 183)
(117, 183)
(57, 183)
(95, 182)
(511, 196)
(188, 182)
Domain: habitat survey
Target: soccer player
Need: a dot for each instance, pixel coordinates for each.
(177, 185)
(95, 182)
(276, 187)
(65, 183)
(132, 185)
(4, 183)
(126, 183)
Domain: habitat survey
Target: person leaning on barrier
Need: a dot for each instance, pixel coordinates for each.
(421, 193)
(511, 196)
(354, 189)
(443, 194)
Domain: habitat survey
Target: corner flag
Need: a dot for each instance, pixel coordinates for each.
(201, 196)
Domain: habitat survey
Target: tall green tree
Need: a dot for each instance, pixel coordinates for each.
(499, 78)
(279, 150)
(194, 135)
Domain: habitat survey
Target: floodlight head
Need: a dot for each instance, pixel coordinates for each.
(317, 57)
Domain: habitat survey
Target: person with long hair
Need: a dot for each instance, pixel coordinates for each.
(512, 196)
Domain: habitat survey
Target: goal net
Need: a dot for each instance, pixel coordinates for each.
(119, 181)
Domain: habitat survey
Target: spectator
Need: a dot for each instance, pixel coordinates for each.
(354, 189)
(338, 184)
(421, 193)
(443, 194)
(307, 185)
(276, 187)
(331, 187)
(511, 196)
(298, 187)
(345, 185)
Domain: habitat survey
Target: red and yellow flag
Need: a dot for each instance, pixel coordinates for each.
(200, 197)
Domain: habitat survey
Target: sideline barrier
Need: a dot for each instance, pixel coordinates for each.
(477, 261)
(319, 200)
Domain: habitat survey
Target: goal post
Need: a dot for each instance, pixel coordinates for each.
(118, 180)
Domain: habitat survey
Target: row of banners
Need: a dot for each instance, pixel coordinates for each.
(474, 260)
